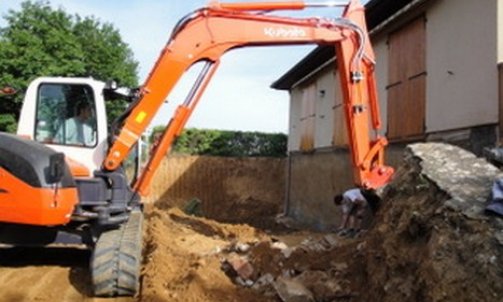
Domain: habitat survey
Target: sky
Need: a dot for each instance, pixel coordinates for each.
(239, 96)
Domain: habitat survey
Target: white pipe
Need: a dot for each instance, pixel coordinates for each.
(326, 3)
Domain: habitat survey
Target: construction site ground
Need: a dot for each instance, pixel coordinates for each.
(429, 241)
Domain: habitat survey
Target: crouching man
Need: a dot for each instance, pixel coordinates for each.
(354, 204)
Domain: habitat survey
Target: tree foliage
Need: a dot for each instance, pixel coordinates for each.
(228, 143)
(41, 41)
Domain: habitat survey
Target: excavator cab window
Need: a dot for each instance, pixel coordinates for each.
(66, 115)
(132, 163)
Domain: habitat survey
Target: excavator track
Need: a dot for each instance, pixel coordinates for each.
(116, 259)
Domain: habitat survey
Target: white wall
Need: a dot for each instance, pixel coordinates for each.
(500, 30)
(381, 72)
(462, 86)
(324, 108)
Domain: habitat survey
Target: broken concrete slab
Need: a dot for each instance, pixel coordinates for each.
(466, 178)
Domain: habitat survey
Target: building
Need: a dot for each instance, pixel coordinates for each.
(439, 78)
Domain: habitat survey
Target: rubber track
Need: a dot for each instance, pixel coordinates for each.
(116, 260)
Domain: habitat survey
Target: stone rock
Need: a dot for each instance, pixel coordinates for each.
(264, 280)
(309, 244)
(287, 252)
(331, 240)
(279, 245)
(285, 249)
(322, 285)
(241, 266)
(499, 237)
(361, 246)
(339, 266)
(292, 291)
(286, 221)
(242, 247)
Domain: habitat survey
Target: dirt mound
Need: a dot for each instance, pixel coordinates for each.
(183, 259)
(432, 241)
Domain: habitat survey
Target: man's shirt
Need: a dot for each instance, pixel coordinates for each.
(76, 132)
(348, 199)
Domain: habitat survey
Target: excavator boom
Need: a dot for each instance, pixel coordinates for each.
(208, 33)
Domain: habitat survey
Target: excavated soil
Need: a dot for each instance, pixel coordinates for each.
(428, 242)
(53, 274)
(183, 259)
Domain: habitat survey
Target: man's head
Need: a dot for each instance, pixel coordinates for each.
(338, 199)
(83, 111)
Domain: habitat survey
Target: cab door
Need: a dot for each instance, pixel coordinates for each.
(68, 115)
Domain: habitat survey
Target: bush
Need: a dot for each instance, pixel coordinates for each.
(229, 143)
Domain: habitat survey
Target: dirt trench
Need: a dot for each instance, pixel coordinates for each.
(430, 241)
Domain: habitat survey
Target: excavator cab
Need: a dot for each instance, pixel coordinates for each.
(68, 115)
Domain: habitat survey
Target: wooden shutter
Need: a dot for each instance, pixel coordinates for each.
(308, 118)
(340, 137)
(407, 81)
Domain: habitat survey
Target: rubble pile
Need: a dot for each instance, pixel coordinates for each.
(432, 240)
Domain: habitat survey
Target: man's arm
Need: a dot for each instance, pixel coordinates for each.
(346, 207)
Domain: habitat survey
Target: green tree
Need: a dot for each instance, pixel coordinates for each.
(105, 54)
(228, 143)
(41, 41)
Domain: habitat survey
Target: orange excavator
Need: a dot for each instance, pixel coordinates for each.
(67, 178)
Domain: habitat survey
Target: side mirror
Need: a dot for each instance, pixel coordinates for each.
(111, 85)
(56, 168)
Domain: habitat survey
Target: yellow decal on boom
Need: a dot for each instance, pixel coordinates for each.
(140, 117)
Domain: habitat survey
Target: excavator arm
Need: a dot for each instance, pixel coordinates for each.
(208, 33)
